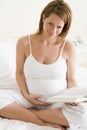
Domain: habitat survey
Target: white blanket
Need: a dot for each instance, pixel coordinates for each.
(8, 124)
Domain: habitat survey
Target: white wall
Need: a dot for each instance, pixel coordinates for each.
(21, 17)
(79, 24)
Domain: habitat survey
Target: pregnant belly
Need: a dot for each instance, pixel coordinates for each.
(45, 86)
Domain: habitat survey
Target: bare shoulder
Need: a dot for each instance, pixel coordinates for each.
(69, 49)
(22, 46)
(69, 46)
(22, 42)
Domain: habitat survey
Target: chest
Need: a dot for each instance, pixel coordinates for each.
(46, 54)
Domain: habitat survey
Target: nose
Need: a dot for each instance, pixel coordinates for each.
(54, 30)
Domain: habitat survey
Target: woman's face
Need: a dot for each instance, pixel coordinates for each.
(52, 25)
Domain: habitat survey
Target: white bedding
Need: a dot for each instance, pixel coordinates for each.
(8, 124)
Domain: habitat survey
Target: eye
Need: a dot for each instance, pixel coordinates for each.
(59, 27)
(50, 23)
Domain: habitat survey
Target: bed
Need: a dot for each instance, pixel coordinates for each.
(7, 80)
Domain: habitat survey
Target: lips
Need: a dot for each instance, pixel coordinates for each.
(51, 34)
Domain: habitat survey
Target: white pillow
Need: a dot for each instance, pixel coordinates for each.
(7, 56)
(7, 62)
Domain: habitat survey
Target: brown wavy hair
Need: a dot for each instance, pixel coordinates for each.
(60, 8)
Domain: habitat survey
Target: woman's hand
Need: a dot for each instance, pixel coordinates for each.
(35, 99)
(72, 103)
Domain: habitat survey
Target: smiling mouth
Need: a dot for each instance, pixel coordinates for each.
(51, 34)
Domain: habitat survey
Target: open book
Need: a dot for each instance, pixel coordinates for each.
(74, 94)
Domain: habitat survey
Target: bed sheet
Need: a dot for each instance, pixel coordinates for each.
(8, 124)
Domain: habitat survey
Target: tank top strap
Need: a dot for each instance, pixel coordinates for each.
(62, 47)
(29, 42)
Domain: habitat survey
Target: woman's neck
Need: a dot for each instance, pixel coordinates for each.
(48, 41)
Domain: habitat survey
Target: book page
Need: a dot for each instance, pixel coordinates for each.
(74, 91)
(74, 94)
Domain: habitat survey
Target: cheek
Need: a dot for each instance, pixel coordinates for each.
(45, 27)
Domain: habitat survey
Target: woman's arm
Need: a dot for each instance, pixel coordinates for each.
(71, 65)
(20, 59)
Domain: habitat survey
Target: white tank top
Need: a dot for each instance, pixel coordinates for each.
(45, 79)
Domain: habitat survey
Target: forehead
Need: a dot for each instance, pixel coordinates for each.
(55, 18)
